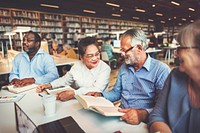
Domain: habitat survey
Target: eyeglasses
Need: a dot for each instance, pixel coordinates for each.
(178, 49)
(123, 52)
(90, 56)
(28, 40)
(126, 50)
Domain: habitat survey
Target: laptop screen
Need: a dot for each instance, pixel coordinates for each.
(25, 125)
(116, 43)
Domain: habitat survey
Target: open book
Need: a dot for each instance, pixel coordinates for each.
(14, 89)
(54, 91)
(99, 105)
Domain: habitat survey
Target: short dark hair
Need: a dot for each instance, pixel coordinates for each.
(151, 32)
(36, 35)
(107, 38)
(84, 43)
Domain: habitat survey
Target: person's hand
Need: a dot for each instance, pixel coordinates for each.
(133, 116)
(65, 95)
(23, 82)
(13, 81)
(95, 94)
(41, 87)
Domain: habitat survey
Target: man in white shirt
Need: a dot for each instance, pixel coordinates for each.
(89, 74)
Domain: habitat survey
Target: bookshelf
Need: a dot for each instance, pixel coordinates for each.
(5, 22)
(71, 24)
(27, 19)
(64, 25)
(52, 23)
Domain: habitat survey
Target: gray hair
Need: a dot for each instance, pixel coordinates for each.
(189, 36)
(138, 38)
(67, 46)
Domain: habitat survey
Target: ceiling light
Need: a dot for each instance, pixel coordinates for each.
(175, 3)
(191, 9)
(159, 14)
(162, 22)
(116, 15)
(140, 10)
(121, 10)
(192, 21)
(179, 24)
(183, 19)
(153, 5)
(47, 5)
(136, 18)
(112, 4)
(89, 11)
(151, 20)
(174, 17)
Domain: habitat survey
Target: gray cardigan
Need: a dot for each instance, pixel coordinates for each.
(173, 106)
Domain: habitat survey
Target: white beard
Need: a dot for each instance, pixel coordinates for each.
(130, 60)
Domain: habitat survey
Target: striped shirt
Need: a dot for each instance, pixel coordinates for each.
(139, 89)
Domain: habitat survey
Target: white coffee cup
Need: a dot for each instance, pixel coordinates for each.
(49, 104)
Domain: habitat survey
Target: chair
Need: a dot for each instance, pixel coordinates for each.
(104, 57)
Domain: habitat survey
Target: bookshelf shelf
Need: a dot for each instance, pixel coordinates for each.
(64, 25)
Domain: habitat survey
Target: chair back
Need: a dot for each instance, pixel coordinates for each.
(104, 56)
(44, 46)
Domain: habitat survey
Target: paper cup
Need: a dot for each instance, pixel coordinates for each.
(49, 104)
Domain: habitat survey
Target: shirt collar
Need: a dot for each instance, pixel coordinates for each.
(147, 63)
(38, 52)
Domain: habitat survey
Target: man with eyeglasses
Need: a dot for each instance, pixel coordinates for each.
(139, 81)
(33, 65)
(89, 74)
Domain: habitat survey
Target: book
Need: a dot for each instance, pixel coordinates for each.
(14, 89)
(99, 105)
(11, 98)
(57, 90)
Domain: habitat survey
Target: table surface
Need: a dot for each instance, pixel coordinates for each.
(6, 64)
(89, 121)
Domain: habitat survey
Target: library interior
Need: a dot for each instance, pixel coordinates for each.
(63, 26)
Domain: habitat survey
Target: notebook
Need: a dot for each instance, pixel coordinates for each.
(25, 125)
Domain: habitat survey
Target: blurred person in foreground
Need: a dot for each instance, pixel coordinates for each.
(88, 74)
(33, 65)
(140, 79)
(178, 107)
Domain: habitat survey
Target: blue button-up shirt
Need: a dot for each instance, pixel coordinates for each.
(139, 89)
(41, 67)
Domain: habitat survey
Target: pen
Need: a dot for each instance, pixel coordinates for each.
(40, 95)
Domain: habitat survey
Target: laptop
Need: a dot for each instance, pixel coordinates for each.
(116, 43)
(25, 125)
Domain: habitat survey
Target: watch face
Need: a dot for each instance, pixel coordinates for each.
(23, 123)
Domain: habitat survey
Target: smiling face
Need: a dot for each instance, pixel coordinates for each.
(91, 57)
(131, 54)
(189, 50)
(188, 60)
